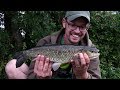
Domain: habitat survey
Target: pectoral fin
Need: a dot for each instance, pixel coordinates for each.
(55, 66)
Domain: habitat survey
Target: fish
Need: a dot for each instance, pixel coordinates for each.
(56, 53)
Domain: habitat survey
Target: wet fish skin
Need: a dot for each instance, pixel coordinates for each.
(56, 53)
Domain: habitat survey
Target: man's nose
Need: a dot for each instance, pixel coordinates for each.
(77, 30)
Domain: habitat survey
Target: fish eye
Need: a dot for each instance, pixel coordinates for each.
(82, 49)
(92, 51)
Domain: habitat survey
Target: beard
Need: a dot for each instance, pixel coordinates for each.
(74, 38)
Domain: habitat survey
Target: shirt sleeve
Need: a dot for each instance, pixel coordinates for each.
(94, 69)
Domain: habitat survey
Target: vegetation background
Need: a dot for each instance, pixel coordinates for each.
(23, 29)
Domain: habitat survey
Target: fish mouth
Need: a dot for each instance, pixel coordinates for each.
(94, 55)
(90, 55)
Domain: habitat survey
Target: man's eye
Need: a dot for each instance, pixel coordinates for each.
(82, 27)
(73, 25)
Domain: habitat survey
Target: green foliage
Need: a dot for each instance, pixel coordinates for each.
(36, 24)
(104, 32)
(40, 23)
(5, 52)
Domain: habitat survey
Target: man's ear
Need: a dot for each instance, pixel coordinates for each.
(88, 26)
(63, 22)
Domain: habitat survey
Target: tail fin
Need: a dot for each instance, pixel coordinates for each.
(21, 58)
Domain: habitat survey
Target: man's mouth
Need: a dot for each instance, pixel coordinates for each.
(75, 36)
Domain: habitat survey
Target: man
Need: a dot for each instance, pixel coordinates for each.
(75, 31)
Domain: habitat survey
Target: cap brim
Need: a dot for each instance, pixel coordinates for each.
(70, 18)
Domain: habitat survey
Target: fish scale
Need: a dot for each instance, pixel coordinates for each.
(56, 53)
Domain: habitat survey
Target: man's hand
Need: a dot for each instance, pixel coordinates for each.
(80, 66)
(43, 67)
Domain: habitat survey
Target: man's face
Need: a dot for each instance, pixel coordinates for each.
(75, 30)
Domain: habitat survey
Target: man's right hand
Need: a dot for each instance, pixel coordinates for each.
(43, 67)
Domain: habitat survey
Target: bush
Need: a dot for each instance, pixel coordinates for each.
(104, 32)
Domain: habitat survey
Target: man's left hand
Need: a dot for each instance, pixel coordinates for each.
(80, 66)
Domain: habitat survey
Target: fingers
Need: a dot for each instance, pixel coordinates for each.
(80, 65)
(49, 69)
(41, 63)
(36, 64)
(82, 60)
(77, 62)
(87, 59)
(43, 66)
(73, 63)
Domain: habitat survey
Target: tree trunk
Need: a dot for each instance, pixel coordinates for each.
(13, 30)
